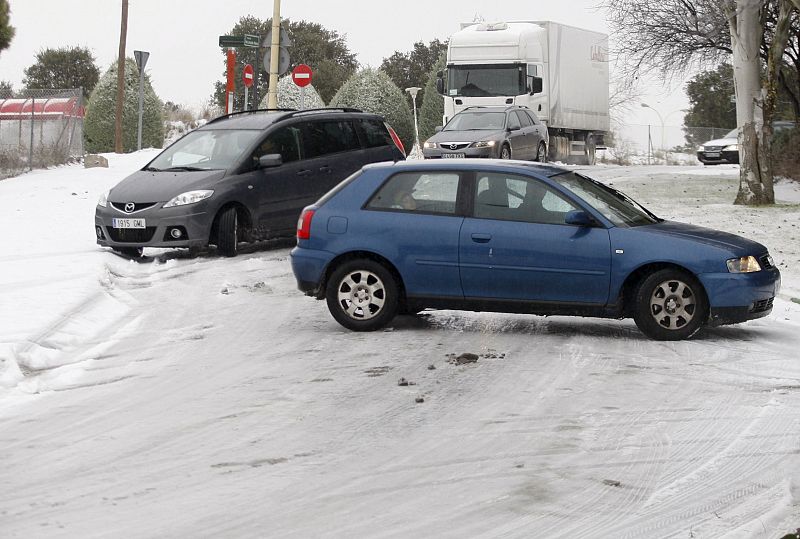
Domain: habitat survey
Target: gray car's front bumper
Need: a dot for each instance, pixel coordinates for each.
(193, 220)
(439, 153)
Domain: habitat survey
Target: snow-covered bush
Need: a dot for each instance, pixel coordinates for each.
(98, 125)
(371, 90)
(432, 109)
(289, 96)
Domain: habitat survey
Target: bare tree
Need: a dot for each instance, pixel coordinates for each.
(671, 36)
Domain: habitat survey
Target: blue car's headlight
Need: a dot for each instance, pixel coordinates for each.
(745, 264)
(189, 197)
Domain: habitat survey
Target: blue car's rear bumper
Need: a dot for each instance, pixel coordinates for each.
(309, 266)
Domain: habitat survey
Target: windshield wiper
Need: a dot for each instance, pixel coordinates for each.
(152, 169)
(185, 169)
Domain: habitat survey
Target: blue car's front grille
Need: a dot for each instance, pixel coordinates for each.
(763, 305)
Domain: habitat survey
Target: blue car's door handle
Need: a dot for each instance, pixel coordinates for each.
(481, 238)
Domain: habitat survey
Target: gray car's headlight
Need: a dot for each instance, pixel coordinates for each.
(189, 197)
(701, 149)
(484, 144)
(429, 145)
(103, 202)
(745, 264)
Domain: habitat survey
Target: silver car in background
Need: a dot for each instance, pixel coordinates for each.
(512, 132)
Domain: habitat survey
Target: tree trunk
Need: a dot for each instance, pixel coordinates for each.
(123, 33)
(746, 28)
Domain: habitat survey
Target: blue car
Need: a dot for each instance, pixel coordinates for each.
(506, 236)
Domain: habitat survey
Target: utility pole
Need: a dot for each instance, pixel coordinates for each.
(272, 100)
(123, 34)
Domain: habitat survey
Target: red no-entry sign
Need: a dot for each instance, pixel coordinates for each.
(301, 75)
(247, 75)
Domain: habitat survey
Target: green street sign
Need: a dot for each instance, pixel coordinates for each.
(246, 40)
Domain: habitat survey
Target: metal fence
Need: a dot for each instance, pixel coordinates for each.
(671, 144)
(40, 128)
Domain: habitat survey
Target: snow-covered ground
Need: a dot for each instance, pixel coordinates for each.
(206, 397)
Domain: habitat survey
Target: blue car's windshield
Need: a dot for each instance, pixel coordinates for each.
(206, 149)
(615, 206)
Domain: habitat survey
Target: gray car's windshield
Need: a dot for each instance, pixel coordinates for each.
(206, 149)
(467, 121)
(615, 206)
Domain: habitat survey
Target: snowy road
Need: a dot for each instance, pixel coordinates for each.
(207, 397)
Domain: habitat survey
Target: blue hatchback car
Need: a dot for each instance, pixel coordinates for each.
(505, 236)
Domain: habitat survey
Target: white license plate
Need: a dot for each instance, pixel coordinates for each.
(127, 223)
(452, 156)
(712, 154)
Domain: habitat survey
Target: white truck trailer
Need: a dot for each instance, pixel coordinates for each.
(558, 71)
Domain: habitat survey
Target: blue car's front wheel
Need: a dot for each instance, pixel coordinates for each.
(362, 295)
(670, 305)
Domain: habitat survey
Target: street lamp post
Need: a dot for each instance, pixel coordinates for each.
(413, 91)
(660, 119)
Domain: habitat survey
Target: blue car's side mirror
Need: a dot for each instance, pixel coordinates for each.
(578, 217)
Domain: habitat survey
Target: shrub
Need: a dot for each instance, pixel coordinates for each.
(98, 125)
(786, 153)
(432, 110)
(371, 90)
(289, 96)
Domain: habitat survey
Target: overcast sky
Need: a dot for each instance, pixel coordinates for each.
(182, 35)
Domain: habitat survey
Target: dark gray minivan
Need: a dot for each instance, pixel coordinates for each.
(241, 177)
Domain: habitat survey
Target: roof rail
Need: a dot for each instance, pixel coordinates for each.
(224, 116)
(320, 111)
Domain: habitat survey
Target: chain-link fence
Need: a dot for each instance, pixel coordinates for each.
(40, 128)
(669, 144)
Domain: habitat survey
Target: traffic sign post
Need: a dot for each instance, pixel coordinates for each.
(230, 85)
(230, 42)
(301, 76)
(141, 61)
(247, 40)
(247, 78)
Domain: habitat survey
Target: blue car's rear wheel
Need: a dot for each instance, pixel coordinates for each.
(670, 305)
(362, 295)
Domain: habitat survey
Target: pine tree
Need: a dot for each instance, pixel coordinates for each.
(371, 90)
(432, 110)
(98, 125)
(289, 96)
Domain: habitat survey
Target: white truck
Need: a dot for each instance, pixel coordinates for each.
(558, 71)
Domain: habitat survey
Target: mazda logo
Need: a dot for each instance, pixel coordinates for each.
(129, 207)
(453, 146)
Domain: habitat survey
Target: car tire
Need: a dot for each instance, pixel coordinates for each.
(541, 153)
(505, 152)
(228, 232)
(362, 295)
(670, 305)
